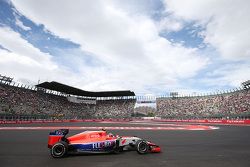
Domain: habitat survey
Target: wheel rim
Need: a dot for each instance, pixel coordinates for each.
(58, 150)
(143, 147)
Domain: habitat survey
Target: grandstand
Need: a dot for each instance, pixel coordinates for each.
(246, 84)
(227, 105)
(53, 100)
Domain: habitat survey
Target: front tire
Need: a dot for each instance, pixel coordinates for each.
(142, 147)
(59, 150)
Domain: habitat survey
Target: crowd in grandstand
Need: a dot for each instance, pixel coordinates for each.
(21, 101)
(214, 106)
(145, 111)
(119, 108)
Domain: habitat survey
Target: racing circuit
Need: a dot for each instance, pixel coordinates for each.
(182, 145)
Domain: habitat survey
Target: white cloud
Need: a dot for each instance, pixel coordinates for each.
(133, 54)
(25, 61)
(20, 24)
(229, 75)
(226, 23)
(23, 48)
(169, 24)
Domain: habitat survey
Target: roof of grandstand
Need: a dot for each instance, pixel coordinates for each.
(75, 91)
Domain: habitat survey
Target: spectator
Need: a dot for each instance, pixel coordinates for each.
(234, 104)
(21, 101)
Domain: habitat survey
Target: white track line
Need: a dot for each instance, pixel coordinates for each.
(110, 128)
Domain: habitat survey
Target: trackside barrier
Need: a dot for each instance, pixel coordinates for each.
(61, 121)
(232, 122)
(225, 121)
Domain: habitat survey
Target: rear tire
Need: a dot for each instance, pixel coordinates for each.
(142, 147)
(59, 150)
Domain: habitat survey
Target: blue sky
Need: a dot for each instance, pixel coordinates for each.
(149, 46)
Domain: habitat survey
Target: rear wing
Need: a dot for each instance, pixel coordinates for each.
(60, 132)
(56, 136)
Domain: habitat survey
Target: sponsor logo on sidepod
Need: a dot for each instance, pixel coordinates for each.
(103, 144)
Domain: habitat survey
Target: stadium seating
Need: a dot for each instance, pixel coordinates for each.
(17, 102)
(27, 103)
(226, 105)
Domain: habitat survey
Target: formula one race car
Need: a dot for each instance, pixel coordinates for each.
(96, 142)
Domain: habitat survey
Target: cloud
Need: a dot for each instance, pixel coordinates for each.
(22, 60)
(226, 23)
(228, 75)
(132, 53)
(20, 24)
(169, 24)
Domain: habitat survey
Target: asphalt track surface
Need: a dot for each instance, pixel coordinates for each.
(228, 146)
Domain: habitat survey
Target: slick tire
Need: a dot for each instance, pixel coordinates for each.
(142, 147)
(59, 150)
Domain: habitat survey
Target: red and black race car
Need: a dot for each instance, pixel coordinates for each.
(96, 142)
